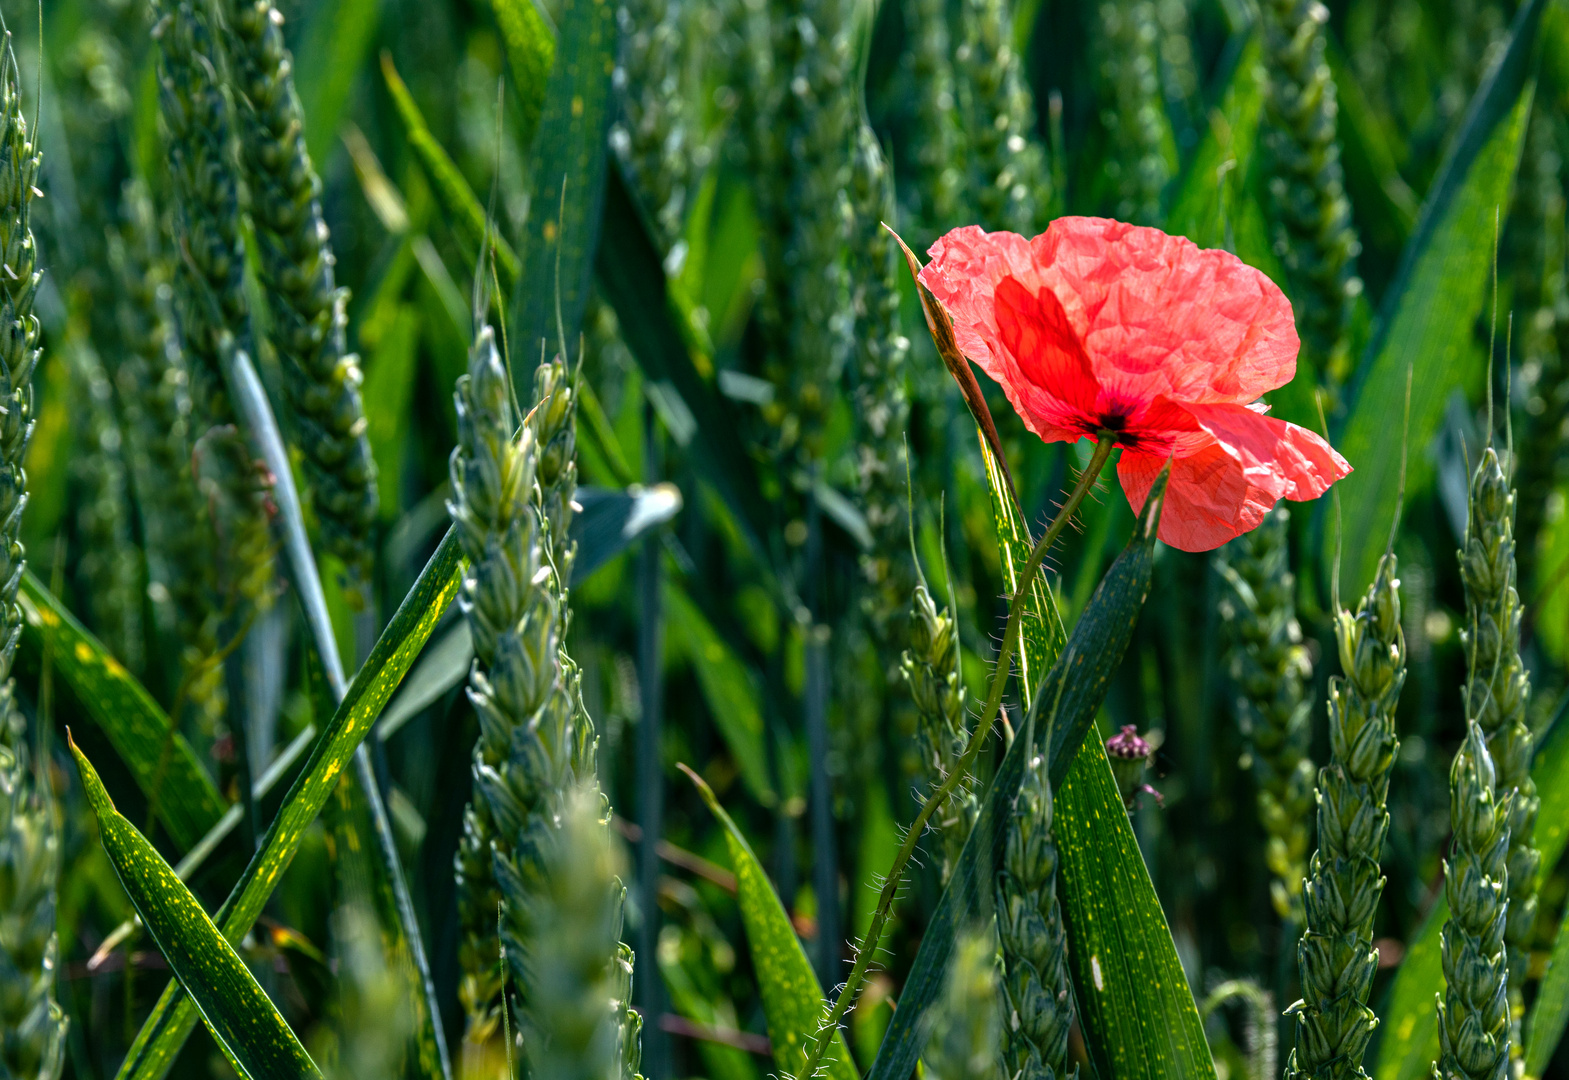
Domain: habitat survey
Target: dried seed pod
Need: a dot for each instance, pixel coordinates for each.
(1270, 668)
(1335, 956)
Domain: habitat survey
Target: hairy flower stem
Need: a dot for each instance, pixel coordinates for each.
(1010, 639)
(1336, 956)
(1496, 694)
(321, 377)
(1473, 1011)
(32, 1027)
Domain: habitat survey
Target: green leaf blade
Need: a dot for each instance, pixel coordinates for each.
(158, 1043)
(1077, 685)
(235, 1008)
(166, 768)
(1427, 316)
(792, 998)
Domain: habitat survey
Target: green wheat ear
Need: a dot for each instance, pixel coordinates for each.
(213, 308)
(154, 391)
(964, 1028)
(32, 1026)
(1009, 184)
(1271, 669)
(1314, 237)
(1037, 1000)
(577, 975)
(109, 568)
(657, 140)
(931, 668)
(1336, 957)
(512, 505)
(1473, 1011)
(1496, 694)
(938, 164)
(1132, 111)
(321, 377)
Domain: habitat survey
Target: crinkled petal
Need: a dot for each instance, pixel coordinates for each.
(1224, 487)
(1156, 315)
(1303, 464)
(966, 266)
(1057, 386)
(1159, 315)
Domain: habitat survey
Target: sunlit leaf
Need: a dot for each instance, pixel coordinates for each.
(178, 788)
(792, 997)
(160, 1039)
(236, 1010)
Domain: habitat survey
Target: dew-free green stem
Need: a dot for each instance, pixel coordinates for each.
(1010, 638)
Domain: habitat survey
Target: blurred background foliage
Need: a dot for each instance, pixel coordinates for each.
(757, 634)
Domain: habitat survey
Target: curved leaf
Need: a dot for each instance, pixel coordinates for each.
(530, 44)
(159, 1041)
(792, 997)
(235, 1008)
(167, 770)
(1426, 319)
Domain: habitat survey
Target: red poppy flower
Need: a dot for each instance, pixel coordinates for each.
(1096, 326)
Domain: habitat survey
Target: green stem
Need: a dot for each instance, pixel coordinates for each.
(1010, 638)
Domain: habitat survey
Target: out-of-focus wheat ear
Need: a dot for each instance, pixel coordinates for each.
(964, 1029)
(1008, 185)
(321, 377)
(936, 188)
(1344, 884)
(1132, 113)
(211, 302)
(575, 974)
(109, 567)
(882, 405)
(1271, 670)
(1534, 247)
(1313, 234)
(153, 388)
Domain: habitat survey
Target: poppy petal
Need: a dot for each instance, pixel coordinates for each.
(1225, 487)
(1036, 334)
(1159, 315)
(1208, 498)
(967, 266)
(1303, 462)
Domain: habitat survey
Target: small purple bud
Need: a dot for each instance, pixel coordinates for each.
(1130, 754)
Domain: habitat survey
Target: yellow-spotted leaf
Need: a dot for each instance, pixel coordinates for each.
(160, 1039)
(792, 998)
(181, 793)
(236, 1010)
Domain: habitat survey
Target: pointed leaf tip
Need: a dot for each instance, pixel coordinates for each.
(1149, 517)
